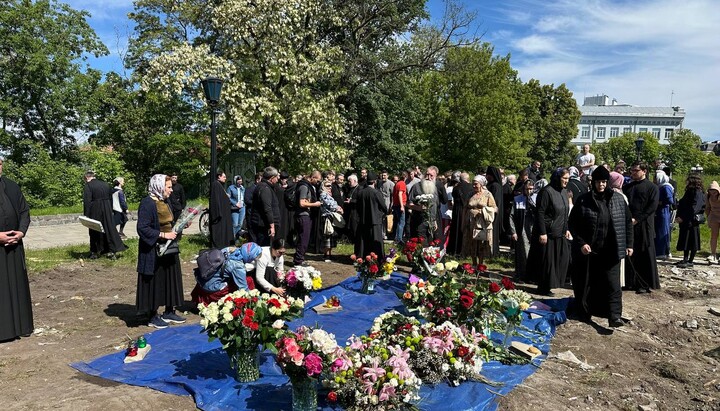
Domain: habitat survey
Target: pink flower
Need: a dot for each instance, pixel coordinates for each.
(386, 392)
(313, 364)
(338, 364)
(374, 371)
(291, 279)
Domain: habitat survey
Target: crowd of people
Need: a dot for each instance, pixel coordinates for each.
(595, 228)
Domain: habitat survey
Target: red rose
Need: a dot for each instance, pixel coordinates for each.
(508, 284)
(249, 312)
(467, 267)
(494, 288)
(236, 313)
(435, 243)
(332, 396)
(368, 259)
(373, 269)
(466, 301)
(431, 260)
(353, 257)
(247, 321)
(467, 292)
(463, 351)
(254, 326)
(482, 268)
(274, 302)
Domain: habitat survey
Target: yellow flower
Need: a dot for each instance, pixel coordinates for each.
(317, 283)
(524, 306)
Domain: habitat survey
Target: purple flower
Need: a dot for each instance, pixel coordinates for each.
(338, 364)
(313, 364)
(414, 279)
(291, 279)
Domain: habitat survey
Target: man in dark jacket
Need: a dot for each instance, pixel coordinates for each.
(221, 231)
(307, 198)
(643, 197)
(601, 227)
(97, 204)
(178, 201)
(265, 215)
(371, 210)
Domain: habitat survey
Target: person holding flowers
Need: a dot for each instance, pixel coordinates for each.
(328, 207)
(478, 217)
(159, 278)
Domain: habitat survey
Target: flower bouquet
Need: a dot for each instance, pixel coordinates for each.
(438, 353)
(305, 355)
(242, 321)
(378, 377)
(426, 261)
(187, 215)
(368, 270)
(427, 201)
(299, 281)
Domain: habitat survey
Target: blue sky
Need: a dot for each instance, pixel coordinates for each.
(643, 52)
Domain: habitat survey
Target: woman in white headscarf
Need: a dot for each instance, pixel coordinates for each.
(477, 222)
(662, 214)
(159, 277)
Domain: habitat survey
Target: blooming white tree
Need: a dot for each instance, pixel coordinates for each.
(276, 64)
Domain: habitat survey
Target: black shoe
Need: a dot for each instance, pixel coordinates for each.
(93, 256)
(681, 262)
(685, 264)
(642, 291)
(615, 323)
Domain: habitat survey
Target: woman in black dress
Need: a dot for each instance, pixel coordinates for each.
(691, 204)
(550, 248)
(159, 278)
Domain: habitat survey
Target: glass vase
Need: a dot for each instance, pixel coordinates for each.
(509, 331)
(304, 394)
(246, 364)
(368, 285)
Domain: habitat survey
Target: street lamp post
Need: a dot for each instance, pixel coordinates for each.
(211, 87)
(639, 143)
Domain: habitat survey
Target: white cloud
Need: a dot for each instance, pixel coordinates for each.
(637, 52)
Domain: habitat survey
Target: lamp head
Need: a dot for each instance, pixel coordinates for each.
(211, 88)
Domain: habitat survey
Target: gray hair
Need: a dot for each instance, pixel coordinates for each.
(270, 172)
(352, 177)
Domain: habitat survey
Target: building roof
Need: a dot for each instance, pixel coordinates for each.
(625, 111)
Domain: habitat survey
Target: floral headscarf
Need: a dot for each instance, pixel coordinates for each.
(156, 188)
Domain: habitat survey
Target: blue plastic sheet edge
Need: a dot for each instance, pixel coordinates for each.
(183, 362)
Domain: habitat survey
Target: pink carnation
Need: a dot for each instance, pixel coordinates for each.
(313, 364)
(291, 279)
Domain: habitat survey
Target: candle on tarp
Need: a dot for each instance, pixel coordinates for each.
(141, 343)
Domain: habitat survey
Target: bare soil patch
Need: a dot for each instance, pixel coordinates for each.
(667, 358)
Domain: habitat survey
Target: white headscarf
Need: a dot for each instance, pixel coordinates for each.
(661, 178)
(156, 188)
(481, 179)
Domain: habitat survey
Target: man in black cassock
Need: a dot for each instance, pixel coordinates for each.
(643, 198)
(97, 204)
(508, 201)
(16, 318)
(492, 174)
(371, 209)
(460, 195)
(419, 227)
(221, 231)
(178, 200)
(265, 215)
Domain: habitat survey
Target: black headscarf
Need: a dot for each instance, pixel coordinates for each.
(556, 176)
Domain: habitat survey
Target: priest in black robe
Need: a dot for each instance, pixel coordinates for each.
(643, 197)
(16, 318)
(350, 208)
(221, 231)
(460, 195)
(371, 209)
(426, 223)
(492, 174)
(97, 204)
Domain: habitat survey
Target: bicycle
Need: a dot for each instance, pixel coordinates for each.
(204, 222)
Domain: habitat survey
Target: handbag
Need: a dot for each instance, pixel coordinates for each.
(699, 219)
(328, 228)
(479, 234)
(337, 219)
(170, 247)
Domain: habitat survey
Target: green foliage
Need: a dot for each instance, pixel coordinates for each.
(471, 113)
(623, 148)
(43, 86)
(551, 115)
(684, 152)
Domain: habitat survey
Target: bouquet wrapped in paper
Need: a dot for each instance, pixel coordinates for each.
(187, 215)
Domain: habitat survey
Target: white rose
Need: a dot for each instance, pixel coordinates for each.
(227, 317)
(278, 324)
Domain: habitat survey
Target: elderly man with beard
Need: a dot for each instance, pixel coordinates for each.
(425, 219)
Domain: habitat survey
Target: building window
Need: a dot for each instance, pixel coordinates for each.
(668, 133)
(614, 132)
(627, 130)
(601, 133)
(656, 133)
(643, 130)
(585, 132)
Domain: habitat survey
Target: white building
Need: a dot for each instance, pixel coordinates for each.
(603, 119)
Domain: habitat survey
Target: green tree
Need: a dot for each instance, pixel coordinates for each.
(471, 113)
(624, 148)
(552, 116)
(44, 84)
(683, 152)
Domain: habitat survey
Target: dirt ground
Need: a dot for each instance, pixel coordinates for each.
(666, 359)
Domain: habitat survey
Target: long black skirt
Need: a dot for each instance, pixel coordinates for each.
(596, 284)
(163, 288)
(554, 261)
(16, 317)
(689, 238)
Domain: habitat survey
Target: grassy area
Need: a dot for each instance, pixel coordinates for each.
(39, 261)
(78, 209)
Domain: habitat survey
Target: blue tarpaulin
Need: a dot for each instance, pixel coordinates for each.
(183, 362)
